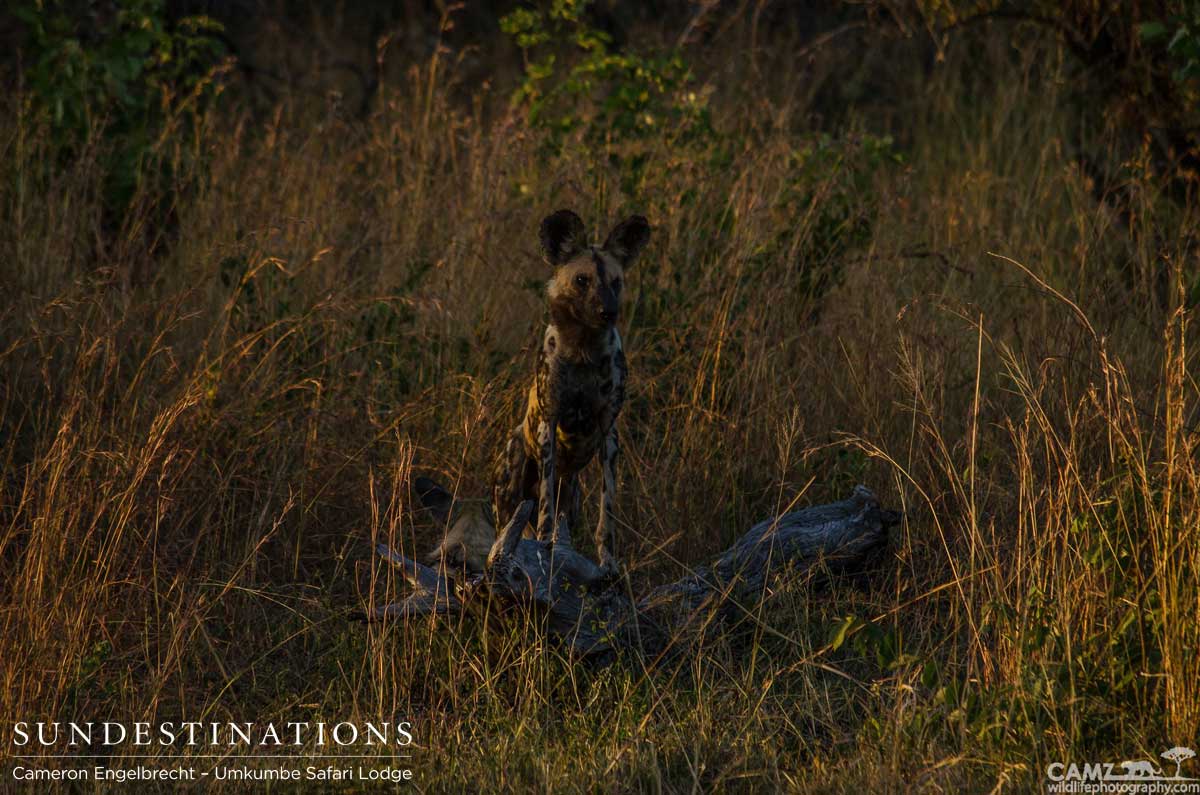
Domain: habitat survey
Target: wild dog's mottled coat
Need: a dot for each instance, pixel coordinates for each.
(579, 386)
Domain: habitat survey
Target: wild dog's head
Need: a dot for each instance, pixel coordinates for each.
(588, 280)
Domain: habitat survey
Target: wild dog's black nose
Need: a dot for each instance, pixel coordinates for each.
(608, 315)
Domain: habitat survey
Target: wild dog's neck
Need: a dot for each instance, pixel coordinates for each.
(576, 342)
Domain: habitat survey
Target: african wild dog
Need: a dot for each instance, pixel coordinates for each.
(579, 386)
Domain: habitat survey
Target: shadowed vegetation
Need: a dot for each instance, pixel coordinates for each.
(932, 263)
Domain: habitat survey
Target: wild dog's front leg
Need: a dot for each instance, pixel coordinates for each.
(548, 394)
(548, 488)
(606, 528)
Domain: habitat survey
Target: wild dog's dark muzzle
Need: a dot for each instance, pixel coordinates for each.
(609, 307)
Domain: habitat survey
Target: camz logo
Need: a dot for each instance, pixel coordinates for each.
(1132, 776)
(1101, 771)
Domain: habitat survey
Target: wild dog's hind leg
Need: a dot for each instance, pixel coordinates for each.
(606, 527)
(515, 476)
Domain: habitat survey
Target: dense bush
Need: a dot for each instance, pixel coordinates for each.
(126, 75)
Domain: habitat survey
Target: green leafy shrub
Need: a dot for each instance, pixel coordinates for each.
(1181, 32)
(826, 207)
(577, 83)
(833, 179)
(125, 78)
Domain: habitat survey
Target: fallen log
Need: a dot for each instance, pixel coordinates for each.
(594, 616)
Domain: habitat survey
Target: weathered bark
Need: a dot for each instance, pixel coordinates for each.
(593, 616)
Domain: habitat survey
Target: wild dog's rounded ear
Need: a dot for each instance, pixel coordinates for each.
(563, 236)
(434, 498)
(628, 239)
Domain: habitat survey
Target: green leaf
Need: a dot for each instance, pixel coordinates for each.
(929, 675)
(1179, 40)
(1152, 30)
(841, 630)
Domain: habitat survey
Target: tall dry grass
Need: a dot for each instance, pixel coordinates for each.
(211, 407)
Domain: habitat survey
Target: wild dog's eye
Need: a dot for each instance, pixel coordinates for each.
(581, 280)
